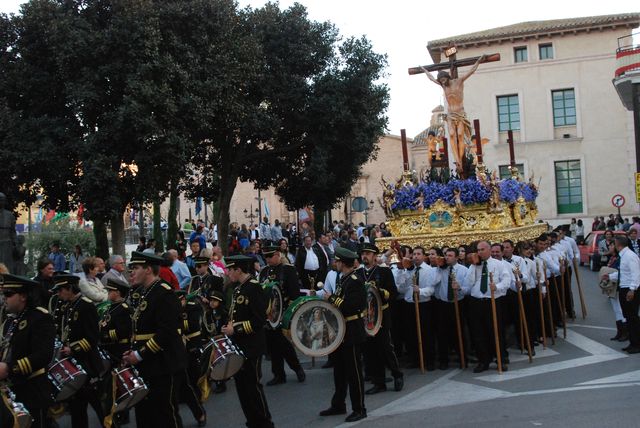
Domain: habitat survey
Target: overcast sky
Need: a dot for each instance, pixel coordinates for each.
(402, 29)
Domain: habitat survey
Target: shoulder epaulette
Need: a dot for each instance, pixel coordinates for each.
(86, 299)
(353, 276)
(255, 281)
(124, 305)
(166, 286)
(191, 303)
(41, 309)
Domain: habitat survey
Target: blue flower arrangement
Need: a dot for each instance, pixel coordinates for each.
(471, 190)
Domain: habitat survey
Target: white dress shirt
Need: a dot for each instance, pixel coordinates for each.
(551, 260)
(517, 262)
(427, 279)
(574, 247)
(311, 262)
(501, 278)
(628, 276)
(442, 287)
(329, 283)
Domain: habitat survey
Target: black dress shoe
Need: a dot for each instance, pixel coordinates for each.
(505, 368)
(443, 366)
(276, 381)
(301, 374)
(327, 365)
(221, 386)
(626, 348)
(375, 389)
(355, 416)
(331, 411)
(480, 368)
(398, 383)
(633, 350)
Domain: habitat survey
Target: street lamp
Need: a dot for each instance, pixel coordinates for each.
(366, 211)
(250, 214)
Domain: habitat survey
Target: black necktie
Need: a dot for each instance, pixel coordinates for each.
(484, 279)
(450, 293)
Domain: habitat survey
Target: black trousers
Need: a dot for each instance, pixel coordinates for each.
(251, 395)
(190, 391)
(160, 406)
(428, 330)
(78, 406)
(531, 312)
(630, 312)
(554, 293)
(568, 294)
(397, 332)
(447, 333)
(379, 353)
(482, 328)
(281, 350)
(347, 371)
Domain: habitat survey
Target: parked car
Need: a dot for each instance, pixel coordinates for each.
(589, 250)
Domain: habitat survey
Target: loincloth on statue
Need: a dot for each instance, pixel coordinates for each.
(457, 118)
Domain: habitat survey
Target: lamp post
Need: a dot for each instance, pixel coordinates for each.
(250, 214)
(366, 212)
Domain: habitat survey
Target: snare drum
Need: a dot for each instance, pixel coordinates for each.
(130, 388)
(276, 303)
(315, 327)
(226, 358)
(67, 377)
(373, 319)
(19, 413)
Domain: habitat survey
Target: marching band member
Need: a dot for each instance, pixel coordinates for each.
(246, 328)
(451, 279)
(215, 317)
(192, 314)
(204, 280)
(27, 347)
(80, 335)
(478, 280)
(279, 347)
(379, 352)
(351, 299)
(157, 349)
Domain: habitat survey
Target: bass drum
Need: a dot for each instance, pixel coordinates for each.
(315, 327)
(373, 318)
(276, 303)
(12, 413)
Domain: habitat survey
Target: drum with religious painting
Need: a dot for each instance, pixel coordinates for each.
(314, 326)
(373, 317)
(275, 309)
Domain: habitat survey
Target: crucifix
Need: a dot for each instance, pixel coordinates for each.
(453, 87)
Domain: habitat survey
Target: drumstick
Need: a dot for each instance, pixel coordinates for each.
(495, 323)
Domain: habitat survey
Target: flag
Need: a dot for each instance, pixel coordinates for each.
(198, 206)
(49, 216)
(266, 209)
(80, 213)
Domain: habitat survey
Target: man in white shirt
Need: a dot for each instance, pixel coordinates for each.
(451, 279)
(567, 255)
(628, 277)
(311, 262)
(551, 258)
(420, 279)
(479, 281)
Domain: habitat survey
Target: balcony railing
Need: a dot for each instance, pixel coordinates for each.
(628, 55)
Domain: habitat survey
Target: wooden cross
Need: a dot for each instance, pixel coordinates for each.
(453, 64)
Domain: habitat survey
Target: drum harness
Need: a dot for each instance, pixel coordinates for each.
(339, 280)
(374, 272)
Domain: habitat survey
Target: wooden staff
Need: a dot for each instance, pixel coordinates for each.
(456, 308)
(416, 297)
(546, 283)
(539, 289)
(583, 306)
(562, 285)
(494, 315)
(523, 316)
(562, 314)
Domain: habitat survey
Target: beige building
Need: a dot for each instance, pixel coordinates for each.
(553, 88)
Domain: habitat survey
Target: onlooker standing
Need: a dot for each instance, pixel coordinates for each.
(243, 237)
(311, 261)
(276, 231)
(116, 269)
(634, 242)
(45, 279)
(253, 233)
(181, 245)
(142, 244)
(197, 235)
(626, 225)
(102, 270)
(57, 258)
(180, 269)
(606, 248)
(75, 260)
(151, 247)
(579, 232)
(636, 224)
(265, 231)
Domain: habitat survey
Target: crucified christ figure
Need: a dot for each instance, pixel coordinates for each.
(457, 122)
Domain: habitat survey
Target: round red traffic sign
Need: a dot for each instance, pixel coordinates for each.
(618, 201)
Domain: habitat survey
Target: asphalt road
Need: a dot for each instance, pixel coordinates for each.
(583, 381)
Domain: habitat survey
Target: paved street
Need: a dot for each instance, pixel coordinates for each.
(583, 381)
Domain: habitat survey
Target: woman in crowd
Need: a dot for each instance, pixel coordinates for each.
(90, 286)
(75, 260)
(579, 232)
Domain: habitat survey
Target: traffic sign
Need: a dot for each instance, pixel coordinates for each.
(358, 204)
(617, 201)
(638, 187)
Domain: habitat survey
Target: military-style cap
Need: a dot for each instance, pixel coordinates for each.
(15, 282)
(216, 295)
(117, 285)
(345, 254)
(145, 259)
(270, 250)
(366, 246)
(65, 280)
(200, 260)
(239, 260)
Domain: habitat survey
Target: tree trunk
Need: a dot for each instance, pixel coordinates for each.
(227, 188)
(173, 228)
(117, 234)
(157, 230)
(102, 241)
(318, 221)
